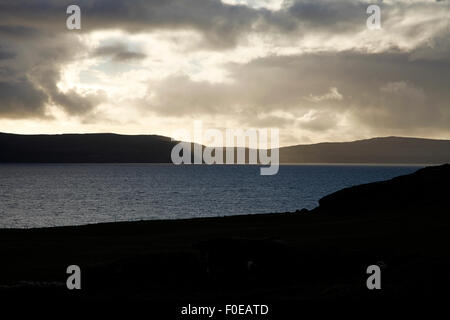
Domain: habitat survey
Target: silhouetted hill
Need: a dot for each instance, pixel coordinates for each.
(88, 148)
(377, 150)
(114, 148)
(423, 193)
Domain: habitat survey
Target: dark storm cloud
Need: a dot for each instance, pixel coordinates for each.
(21, 99)
(6, 55)
(221, 25)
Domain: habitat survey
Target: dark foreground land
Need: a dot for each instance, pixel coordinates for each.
(402, 225)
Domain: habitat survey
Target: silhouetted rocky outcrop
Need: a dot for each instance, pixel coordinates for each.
(424, 192)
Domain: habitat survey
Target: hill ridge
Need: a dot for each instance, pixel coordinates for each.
(143, 148)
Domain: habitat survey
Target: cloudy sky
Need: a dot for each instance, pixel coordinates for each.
(311, 68)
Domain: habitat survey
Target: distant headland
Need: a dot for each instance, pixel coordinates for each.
(115, 148)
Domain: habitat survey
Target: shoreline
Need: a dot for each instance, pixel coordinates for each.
(144, 221)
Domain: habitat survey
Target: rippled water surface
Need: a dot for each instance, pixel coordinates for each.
(55, 195)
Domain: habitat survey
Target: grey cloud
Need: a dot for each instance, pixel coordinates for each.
(221, 25)
(118, 52)
(320, 121)
(15, 31)
(339, 15)
(29, 73)
(6, 55)
(128, 55)
(386, 91)
(21, 99)
(267, 121)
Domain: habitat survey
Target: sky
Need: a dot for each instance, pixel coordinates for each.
(311, 68)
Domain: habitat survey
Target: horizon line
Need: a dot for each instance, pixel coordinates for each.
(172, 139)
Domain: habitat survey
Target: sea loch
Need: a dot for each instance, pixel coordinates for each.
(45, 195)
